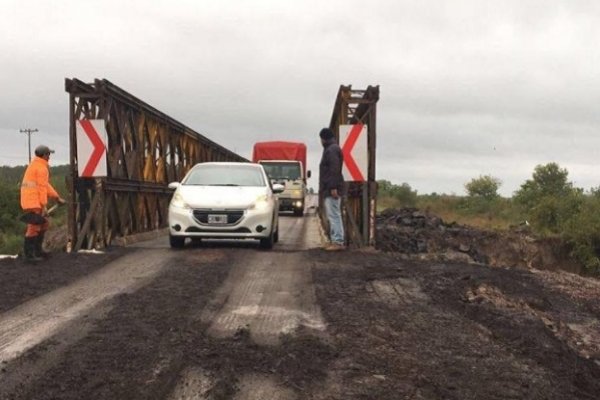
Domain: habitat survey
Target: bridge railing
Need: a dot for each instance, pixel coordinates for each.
(146, 150)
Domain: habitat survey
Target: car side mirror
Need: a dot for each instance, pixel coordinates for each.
(174, 185)
(308, 174)
(278, 188)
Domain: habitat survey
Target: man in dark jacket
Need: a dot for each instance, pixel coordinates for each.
(331, 184)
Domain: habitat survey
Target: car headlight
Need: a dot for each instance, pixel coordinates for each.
(260, 203)
(177, 201)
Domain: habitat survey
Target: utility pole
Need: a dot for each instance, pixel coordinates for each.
(28, 131)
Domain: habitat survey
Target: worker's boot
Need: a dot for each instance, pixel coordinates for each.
(29, 250)
(39, 246)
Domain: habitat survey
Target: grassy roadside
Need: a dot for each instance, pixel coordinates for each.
(499, 215)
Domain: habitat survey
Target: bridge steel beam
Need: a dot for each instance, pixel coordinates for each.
(146, 150)
(360, 203)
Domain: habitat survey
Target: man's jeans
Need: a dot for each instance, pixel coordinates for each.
(334, 215)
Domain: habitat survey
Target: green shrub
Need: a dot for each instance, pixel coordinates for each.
(549, 199)
(485, 187)
(548, 180)
(582, 233)
(11, 243)
(400, 195)
(551, 213)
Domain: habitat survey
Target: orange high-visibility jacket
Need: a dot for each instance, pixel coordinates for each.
(36, 187)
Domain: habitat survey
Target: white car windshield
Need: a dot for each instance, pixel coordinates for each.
(225, 175)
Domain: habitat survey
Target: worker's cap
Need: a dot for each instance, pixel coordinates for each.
(326, 134)
(43, 150)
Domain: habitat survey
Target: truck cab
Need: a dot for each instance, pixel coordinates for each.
(289, 174)
(285, 163)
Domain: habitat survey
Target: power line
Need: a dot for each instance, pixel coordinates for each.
(28, 131)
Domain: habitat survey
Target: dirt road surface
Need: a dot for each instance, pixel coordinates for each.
(226, 320)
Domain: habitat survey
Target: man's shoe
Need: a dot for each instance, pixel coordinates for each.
(335, 247)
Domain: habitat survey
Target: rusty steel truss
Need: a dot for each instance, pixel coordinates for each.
(359, 206)
(146, 150)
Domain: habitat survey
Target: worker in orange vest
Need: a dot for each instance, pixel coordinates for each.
(35, 191)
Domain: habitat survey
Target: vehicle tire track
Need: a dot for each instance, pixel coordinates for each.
(31, 323)
(269, 295)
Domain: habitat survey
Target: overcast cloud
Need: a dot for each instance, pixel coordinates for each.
(467, 87)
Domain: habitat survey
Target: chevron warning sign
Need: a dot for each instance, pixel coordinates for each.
(91, 148)
(353, 139)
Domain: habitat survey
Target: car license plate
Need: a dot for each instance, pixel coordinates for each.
(217, 219)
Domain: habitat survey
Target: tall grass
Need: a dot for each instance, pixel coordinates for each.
(10, 243)
(498, 214)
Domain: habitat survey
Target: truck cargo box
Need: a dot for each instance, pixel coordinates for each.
(264, 151)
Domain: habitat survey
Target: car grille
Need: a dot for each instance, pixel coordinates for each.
(194, 229)
(233, 216)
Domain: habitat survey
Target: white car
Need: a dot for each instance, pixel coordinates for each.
(224, 200)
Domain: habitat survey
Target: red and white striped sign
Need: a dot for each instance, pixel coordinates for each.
(91, 148)
(353, 139)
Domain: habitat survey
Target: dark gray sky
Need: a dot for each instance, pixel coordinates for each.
(467, 87)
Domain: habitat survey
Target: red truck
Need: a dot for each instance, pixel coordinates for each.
(285, 163)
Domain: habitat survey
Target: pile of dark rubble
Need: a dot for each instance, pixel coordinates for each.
(412, 232)
(407, 230)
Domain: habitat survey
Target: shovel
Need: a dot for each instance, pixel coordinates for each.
(37, 219)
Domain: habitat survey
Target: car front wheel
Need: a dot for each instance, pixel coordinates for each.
(176, 242)
(267, 243)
